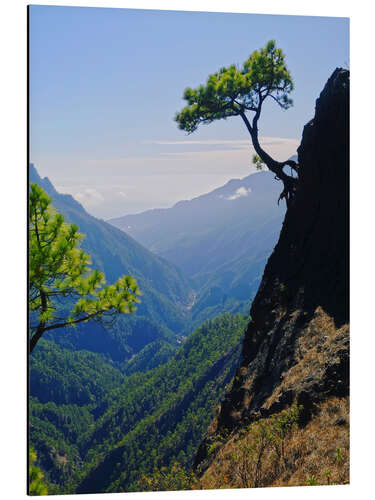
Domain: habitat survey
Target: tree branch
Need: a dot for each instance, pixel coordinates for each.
(42, 328)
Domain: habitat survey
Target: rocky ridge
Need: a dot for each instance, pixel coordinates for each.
(296, 348)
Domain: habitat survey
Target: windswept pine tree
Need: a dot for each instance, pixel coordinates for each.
(236, 91)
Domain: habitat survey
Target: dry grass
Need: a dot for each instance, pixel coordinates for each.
(317, 454)
(321, 450)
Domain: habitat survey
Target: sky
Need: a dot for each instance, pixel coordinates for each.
(105, 85)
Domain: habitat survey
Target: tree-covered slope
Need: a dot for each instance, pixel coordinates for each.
(65, 377)
(159, 416)
(96, 429)
(126, 337)
(66, 389)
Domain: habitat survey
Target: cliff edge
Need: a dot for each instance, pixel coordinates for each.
(296, 348)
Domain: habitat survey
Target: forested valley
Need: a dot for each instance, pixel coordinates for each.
(94, 428)
(111, 403)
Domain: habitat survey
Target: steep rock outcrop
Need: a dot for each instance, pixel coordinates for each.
(296, 348)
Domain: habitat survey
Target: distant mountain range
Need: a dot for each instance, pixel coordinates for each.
(203, 257)
(220, 240)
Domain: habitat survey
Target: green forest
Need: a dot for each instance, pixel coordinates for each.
(98, 427)
(113, 396)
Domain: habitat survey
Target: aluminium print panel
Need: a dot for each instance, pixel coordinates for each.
(188, 183)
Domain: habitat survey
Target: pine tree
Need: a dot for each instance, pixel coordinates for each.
(59, 275)
(236, 91)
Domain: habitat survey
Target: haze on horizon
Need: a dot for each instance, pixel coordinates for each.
(106, 83)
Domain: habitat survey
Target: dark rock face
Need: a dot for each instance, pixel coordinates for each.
(296, 348)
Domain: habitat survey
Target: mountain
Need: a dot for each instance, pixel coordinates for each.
(137, 388)
(292, 385)
(211, 253)
(166, 293)
(220, 240)
(94, 429)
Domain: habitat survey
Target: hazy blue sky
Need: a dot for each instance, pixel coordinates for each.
(106, 83)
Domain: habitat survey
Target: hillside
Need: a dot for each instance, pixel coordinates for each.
(237, 225)
(296, 348)
(94, 429)
(166, 293)
(65, 389)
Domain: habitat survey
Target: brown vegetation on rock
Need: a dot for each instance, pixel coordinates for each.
(315, 454)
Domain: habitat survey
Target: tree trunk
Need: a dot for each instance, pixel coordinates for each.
(34, 339)
(290, 183)
(41, 327)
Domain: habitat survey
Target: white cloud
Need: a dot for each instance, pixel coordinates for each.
(239, 193)
(89, 197)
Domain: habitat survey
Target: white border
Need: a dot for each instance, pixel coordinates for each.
(13, 255)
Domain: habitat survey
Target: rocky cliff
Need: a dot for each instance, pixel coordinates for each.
(296, 348)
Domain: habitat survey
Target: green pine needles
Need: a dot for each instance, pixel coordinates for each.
(236, 91)
(232, 91)
(60, 276)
